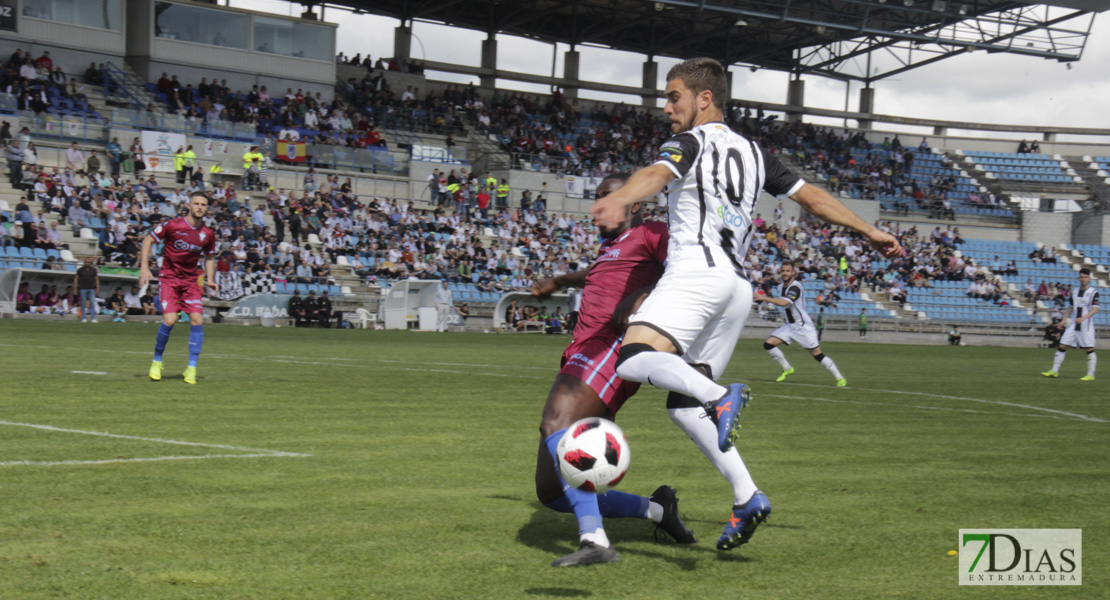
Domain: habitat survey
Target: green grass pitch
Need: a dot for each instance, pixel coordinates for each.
(322, 464)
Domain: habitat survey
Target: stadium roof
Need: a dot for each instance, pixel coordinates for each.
(833, 38)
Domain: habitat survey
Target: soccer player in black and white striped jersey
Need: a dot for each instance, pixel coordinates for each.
(682, 337)
(1080, 332)
(799, 327)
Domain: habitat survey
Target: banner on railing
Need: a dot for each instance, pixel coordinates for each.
(291, 151)
(160, 147)
(581, 187)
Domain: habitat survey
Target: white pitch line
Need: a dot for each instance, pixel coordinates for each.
(45, 463)
(89, 372)
(157, 440)
(998, 402)
(940, 408)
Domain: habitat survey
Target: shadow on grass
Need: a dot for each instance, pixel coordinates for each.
(553, 533)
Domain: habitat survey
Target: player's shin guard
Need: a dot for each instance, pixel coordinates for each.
(196, 340)
(161, 340)
(1058, 360)
(829, 364)
(640, 362)
(779, 357)
(1092, 361)
(583, 504)
(694, 422)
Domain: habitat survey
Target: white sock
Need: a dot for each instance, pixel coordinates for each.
(668, 371)
(696, 424)
(831, 366)
(654, 512)
(1058, 360)
(779, 358)
(598, 537)
(1092, 360)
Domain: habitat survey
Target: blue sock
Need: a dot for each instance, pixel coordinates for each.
(620, 505)
(161, 340)
(196, 340)
(584, 504)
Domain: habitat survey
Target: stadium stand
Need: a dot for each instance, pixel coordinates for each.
(1022, 167)
(355, 246)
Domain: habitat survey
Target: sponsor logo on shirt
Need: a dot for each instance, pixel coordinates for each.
(611, 254)
(671, 153)
(730, 218)
(184, 246)
(581, 359)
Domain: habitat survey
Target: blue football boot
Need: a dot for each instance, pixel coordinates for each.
(743, 521)
(726, 412)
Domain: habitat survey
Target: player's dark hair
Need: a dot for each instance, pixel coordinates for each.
(700, 74)
(204, 195)
(621, 177)
(1084, 271)
(791, 263)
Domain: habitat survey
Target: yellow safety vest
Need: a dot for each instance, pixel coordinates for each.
(250, 156)
(502, 191)
(178, 161)
(491, 183)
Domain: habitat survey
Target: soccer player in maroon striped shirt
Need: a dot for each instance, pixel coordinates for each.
(186, 242)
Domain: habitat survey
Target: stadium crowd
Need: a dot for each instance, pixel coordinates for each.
(389, 239)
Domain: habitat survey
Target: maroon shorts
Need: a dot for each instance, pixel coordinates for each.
(593, 360)
(180, 295)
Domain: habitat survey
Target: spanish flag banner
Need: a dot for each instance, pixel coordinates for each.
(291, 151)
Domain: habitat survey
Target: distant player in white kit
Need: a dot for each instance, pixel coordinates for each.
(444, 303)
(798, 328)
(683, 335)
(1080, 332)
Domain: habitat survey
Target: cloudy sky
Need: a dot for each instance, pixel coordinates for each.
(978, 87)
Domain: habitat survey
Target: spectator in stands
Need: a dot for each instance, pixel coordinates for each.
(137, 154)
(92, 165)
(146, 301)
(1023, 147)
(114, 151)
(1029, 291)
(16, 59)
(94, 76)
(15, 156)
(45, 62)
(28, 71)
(954, 336)
(116, 306)
(133, 301)
(30, 156)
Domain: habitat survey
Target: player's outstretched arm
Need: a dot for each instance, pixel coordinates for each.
(545, 287)
(144, 261)
(645, 183)
(775, 301)
(210, 275)
(824, 206)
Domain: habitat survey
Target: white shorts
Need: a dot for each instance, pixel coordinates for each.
(701, 310)
(1078, 339)
(805, 335)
